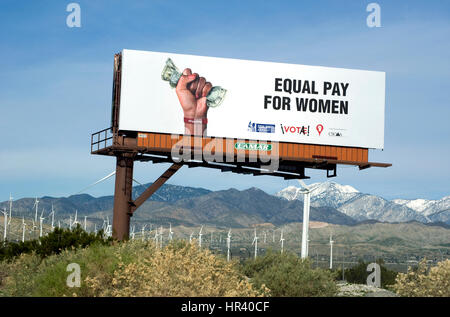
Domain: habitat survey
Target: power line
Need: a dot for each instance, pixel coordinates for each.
(97, 182)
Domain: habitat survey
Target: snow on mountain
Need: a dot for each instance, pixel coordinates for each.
(327, 194)
(332, 194)
(439, 206)
(374, 207)
(426, 207)
(351, 202)
(416, 204)
(290, 193)
(332, 186)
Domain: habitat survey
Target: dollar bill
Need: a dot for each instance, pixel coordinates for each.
(172, 74)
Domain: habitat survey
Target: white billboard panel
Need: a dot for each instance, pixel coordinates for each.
(252, 100)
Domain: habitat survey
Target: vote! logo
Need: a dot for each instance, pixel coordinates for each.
(302, 130)
(319, 128)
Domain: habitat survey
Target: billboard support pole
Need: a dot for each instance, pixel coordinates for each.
(155, 186)
(122, 196)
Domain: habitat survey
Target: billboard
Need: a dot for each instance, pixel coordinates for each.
(231, 98)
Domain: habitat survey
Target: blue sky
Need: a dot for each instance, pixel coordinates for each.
(55, 83)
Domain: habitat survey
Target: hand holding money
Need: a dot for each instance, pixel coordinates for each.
(195, 94)
(192, 91)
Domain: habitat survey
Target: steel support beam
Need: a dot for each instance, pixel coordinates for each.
(122, 196)
(154, 187)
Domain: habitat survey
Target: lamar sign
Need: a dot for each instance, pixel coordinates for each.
(253, 146)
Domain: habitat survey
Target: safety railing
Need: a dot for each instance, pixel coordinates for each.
(101, 140)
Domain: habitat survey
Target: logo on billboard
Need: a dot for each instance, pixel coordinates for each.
(302, 130)
(261, 127)
(335, 134)
(319, 128)
(253, 146)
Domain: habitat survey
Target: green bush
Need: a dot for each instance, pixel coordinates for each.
(358, 274)
(32, 275)
(53, 243)
(130, 268)
(287, 275)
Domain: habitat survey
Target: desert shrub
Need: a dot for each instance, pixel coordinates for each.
(30, 275)
(53, 243)
(131, 268)
(62, 239)
(422, 282)
(17, 276)
(358, 274)
(179, 269)
(9, 250)
(287, 275)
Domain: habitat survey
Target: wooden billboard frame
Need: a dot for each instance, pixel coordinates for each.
(131, 146)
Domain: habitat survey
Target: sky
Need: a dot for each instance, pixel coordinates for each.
(56, 83)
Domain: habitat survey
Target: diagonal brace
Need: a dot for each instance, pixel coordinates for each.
(154, 187)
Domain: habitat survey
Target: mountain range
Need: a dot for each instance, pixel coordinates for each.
(360, 206)
(189, 206)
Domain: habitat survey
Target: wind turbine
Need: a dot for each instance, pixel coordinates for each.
(53, 217)
(331, 251)
(85, 223)
(200, 237)
(104, 225)
(265, 236)
(190, 237)
(31, 231)
(70, 222)
(41, 220)
(33, 228)
(306, 206)
(255, 242)
(5, 218)
(282, 241)
(143, 233)
(75, 220)
(24, 225)
(160, 237)
(228, 245)
(109, 230)
(108, 227)
(170, 232)
(36, 204)
(156, 236)
(132, 233)
(273, 235)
